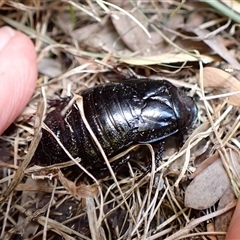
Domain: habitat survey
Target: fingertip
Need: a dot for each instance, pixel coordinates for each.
(18, 74)
(234, 230)
(6, 33)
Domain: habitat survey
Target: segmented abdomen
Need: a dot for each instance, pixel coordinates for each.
(113, 115)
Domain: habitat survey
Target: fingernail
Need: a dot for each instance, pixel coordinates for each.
(6, 33)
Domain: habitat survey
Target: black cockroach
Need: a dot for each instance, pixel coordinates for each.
(120, 115)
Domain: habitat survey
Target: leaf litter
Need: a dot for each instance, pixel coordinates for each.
(84, 43)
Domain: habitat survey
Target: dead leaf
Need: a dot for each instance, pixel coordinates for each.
(217, 78)
(78, 192)
(121, 4)
(210, 228)
(178, 163)
(201, 148)
(193, 21)
(222, 221)
(165, 58)
(99, 35)
(201, 151)
(235, 164)
(207, 162)
(216, 44)
(214, 41)
(64, 22)
(84, 33)
(175, 22)
(131, 33)
(211, 184)
(50, 67)
(207, 187)
(30, 200)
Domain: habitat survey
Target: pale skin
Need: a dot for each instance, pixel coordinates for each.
(18, 76)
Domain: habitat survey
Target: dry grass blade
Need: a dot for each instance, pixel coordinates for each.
(27, 30)
(20, 171)
(79, 102)
(92, 217)
(194, 223)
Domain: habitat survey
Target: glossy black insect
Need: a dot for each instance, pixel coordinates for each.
(120, 115)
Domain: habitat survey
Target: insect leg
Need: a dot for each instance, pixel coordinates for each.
(102, 170)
